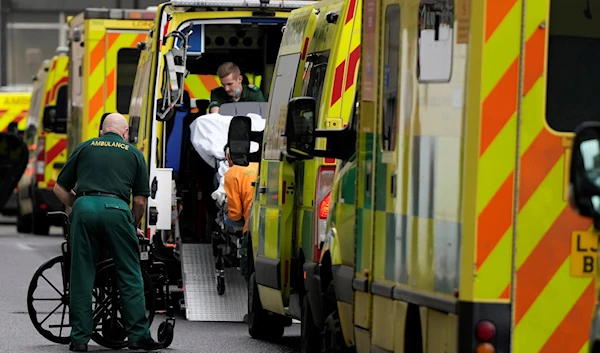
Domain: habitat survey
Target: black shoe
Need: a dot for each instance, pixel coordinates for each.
(78, 347)
(147, 344)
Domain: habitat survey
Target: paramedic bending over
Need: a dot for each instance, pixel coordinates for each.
(233, 89)
(238, 187)
(107, 170)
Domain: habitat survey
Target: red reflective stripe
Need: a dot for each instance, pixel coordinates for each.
(56, 150)
(351, 11)
(352, 63)
(336, 94)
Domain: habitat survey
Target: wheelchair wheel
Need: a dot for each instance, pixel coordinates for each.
(50, 288)
(109, 325)
(220, 285)
(166, 331)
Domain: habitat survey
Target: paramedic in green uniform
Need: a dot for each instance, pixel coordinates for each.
(233, 90)
(107, 170)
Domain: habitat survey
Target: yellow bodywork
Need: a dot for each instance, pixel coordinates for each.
(14, 106)
(284, 218)
(104, 57)
(462, 158)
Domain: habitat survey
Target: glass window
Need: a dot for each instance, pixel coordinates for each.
(573, 72)
(436, 38)
(284, 79)
(127, 62)
(391, 73)
(315, 70)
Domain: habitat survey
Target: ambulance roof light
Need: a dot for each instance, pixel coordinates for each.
(288, 4)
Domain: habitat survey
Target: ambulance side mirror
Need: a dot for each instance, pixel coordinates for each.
(584, 187)
(300, 127)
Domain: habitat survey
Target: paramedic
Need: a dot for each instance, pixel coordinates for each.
(107, 170)
(233, 90)
(238, 183)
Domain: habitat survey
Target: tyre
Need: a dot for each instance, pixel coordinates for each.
(109, 326)
(220, 285)
(166, 331)
(55, 297)
(23, 223)
(310, 334)
(262, 325)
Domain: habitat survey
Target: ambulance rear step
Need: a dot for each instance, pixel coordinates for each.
(200, 298)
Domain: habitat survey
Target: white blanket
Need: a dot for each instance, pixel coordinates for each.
(220, 195)
(209, 135)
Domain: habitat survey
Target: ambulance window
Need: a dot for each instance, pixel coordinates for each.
(391, 58)
(573, 72)
(283, 88)
(315, 70)
(127, 62)
(436, 37)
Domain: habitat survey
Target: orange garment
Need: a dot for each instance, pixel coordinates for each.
(240, 192)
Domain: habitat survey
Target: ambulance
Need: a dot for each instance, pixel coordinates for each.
(290, 207)
(46, 136)
(14, 103)
(103, 55)
(449, 228)
(175, 75)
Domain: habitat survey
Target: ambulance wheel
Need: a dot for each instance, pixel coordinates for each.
(23, 224)
(310, 334)
(166, 331)
(220, 285)
(262, 325)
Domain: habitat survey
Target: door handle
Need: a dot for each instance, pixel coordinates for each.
(393, 185)
(368, 182)
(262, 189)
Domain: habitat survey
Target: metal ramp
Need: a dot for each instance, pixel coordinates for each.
(202, 302)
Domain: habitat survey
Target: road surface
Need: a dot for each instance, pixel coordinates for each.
(22, 254)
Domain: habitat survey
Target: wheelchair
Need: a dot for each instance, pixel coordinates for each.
(226, 243)
(108, 324)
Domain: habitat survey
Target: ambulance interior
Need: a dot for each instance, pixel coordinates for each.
(253, 46)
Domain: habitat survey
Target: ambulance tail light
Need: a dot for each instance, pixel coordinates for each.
(322, 199)
(485, 331)
(40, 163)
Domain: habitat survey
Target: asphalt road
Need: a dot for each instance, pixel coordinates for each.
(22, 254)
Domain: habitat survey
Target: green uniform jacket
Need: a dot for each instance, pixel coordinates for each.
(250, 93)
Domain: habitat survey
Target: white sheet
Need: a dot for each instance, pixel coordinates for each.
(208, 134)
(219, 195)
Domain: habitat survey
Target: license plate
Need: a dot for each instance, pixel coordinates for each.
(584, 253)
(144, 255)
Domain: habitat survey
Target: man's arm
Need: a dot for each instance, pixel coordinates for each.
(67, 197)
(139, 208)
(67, 178)
(213, 107)
(234, 199)
(140, 190)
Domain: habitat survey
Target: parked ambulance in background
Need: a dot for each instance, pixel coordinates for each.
(103, 60)
(14, 104)
(46, 136)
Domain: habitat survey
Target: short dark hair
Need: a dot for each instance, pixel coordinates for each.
(228, 68)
